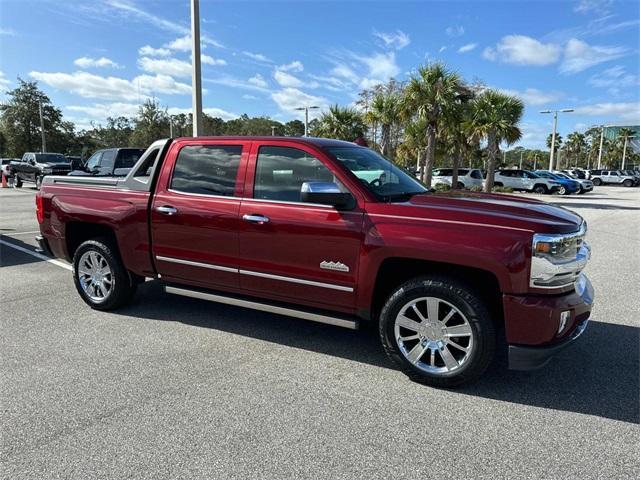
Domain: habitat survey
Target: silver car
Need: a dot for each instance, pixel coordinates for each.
(585, 185)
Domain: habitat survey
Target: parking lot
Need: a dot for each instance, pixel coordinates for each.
(172, 387)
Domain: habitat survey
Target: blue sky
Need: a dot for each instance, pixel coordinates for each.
(99, 58)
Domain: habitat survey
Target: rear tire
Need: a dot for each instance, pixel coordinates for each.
(100, 276)
(540, 189)
(437, 355)
(498, 184)
(597, 182)
(461, 186)
(563, 190)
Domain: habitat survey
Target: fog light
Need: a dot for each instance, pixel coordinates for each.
(564, 321)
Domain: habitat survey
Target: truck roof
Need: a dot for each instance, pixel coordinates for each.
(318, 142)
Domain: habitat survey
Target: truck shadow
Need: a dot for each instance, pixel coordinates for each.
(10, 257)
(597, 376)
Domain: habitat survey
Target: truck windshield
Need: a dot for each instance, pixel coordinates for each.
(51, 158)
(381, 177)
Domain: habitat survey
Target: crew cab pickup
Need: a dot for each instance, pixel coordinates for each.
(35, 166)
(111, 162)
(330, 231)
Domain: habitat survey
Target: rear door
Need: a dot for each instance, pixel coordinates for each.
(194, 215)
(290, 250)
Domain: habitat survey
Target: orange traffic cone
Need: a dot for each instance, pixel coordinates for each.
(4, 181)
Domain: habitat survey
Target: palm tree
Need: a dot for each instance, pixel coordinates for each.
(385, 111)
(343, 123)
(428, 96)
(575, 145)
(625, 134)
(495, 118)
(415, 144)
(458, 140)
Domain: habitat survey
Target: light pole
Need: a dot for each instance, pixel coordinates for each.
(602, 127)
(553, 135)
(44, 138)
(273, 130)
(306, 117)
(624, 149)
(520, 159)
(196, 74)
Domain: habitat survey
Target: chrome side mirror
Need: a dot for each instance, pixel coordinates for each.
(326, 193)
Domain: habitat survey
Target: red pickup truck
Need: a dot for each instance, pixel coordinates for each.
(332, 232)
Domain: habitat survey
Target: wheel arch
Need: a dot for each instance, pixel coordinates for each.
(77, 232)
(396, 270)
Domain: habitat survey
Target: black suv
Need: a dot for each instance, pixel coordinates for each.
(111, 162)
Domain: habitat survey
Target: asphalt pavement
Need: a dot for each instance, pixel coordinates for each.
(171, 387)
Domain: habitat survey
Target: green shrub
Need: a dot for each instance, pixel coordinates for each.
(442, 187)
(502, 190)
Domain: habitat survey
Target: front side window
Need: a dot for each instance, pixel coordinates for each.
(93, 161)
(128, 158)
(377, 174)
(476, 174)
(281, 171)
(207, 169)
(108, 159)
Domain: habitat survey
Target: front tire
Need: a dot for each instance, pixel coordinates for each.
(17, 183)
(540, 189)
(563, 190)
(100, 277)
(437, 331)
(38, 182)
(628, 183)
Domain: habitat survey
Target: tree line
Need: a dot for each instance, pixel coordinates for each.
(435, 118)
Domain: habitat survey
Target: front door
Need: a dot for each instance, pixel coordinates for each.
(194, 217)
(294, 251)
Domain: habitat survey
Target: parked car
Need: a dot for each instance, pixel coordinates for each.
(567, 185)
(5, 165)
(35, 166)
(632, 173)
(294, 226)
(577, 173)
(467, 178)
(526, 181)
(585, 185)
(611, 177)
(111, 162)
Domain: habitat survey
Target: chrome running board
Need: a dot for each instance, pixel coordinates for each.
(264, 307)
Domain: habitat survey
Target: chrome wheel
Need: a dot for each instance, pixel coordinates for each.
(434, 335)
(94, 276)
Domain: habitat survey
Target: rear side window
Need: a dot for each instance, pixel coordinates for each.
(128, 158)
(207, 169)
(476, 174)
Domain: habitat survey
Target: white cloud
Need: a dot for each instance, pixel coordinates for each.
(455, 31)
(397, 39)
(100, 111)
(258, 80)
(206, 59)
(523, 50)
(102, 62)
(533, 96)
(625, 111)
(442, 49)
(614, 78)
(579, 55)
(149, 51)
(89, 85)
(8, 32)
(257, 56)
(534, 135)
(381, 67)
(595, 6)
(286, 79)
(344, 71)
(165, 66)
(182, 44)
(4, 83)
(331, 83)
(288, 99)
(246, 96)
(295, 66)
(467, 48)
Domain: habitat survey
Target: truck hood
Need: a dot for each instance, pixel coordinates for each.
(490, 209)
(56, 166)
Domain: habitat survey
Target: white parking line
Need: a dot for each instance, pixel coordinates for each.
(9, 234)
(36, 254)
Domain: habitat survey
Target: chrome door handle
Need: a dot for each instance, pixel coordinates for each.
(254, 218)
(167, 210)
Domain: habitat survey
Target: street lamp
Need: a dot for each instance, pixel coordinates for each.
(553, 135)
(306, 117)
(196, 73)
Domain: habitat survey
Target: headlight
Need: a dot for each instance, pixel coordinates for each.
(47, 171)
(557, 260)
